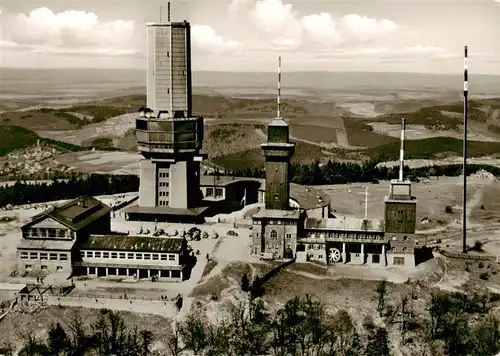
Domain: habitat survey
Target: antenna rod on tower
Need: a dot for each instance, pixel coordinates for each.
(464, 209)
(366, 202)
(168, 11)
(160, 13)
(278, 114)
(402, 150)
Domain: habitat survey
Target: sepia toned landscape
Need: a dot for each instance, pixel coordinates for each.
(262, 178)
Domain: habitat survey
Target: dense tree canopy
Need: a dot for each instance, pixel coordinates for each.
(314, 174)
(94, 184)
(454, 324)
(341, 173)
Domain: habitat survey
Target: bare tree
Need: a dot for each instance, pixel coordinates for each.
(174, 341)
(194, 334)
(347, 337)
(381, 293)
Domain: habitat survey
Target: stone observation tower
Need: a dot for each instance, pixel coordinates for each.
(276, 226)
(168, 136)
(278, 151)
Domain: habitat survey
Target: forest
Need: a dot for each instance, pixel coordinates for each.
(94, 184)
(453, 324)
(314, 174)
(342, 173)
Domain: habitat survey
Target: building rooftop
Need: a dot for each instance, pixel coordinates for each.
(280, 145)
(400, 199)
(177, 23)
(345, 224)
(11, 286)
(278, 122)
(46, 244)
(276, 214)
(223, 181)
(76, 214)
(307, 197)
(134, 208)
(134, 243)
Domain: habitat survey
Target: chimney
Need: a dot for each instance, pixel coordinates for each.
(81, 203)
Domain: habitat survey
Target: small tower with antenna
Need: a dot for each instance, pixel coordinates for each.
(276, 226)
(278, 151)
(400, 205)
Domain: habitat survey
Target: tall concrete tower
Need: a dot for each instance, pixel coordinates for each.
(169, 68)
(278, 151)
(168, 136)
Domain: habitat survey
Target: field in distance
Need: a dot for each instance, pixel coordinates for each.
(356, 127)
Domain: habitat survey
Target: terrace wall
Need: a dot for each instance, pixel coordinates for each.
(157, 307)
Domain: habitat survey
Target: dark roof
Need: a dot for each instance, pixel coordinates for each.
(223, 181)
(134, 243)
(277, 214)
(76, 214)
(345, 224)
(307, 197)
(163, 210)
(46, 244)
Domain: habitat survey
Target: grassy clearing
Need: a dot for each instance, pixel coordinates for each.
(209, 267)
(362, 135)
(305, 153)
(435, 117)
(230, 274)
(314, 133)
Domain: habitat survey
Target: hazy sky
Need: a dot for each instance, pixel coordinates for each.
(241, 35)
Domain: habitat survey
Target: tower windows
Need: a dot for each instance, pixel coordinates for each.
(273, 234)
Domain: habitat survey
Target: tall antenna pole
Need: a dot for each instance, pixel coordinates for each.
(464, 207)
(160, 12)
(278, 114)
(402, 150)
(366, 202)
(168, 11)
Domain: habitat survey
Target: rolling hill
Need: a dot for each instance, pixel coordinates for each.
(235, 127)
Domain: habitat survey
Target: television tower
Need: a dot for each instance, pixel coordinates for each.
(168, 136)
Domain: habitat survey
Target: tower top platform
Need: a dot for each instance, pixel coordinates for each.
(278, 121)
(166, 24)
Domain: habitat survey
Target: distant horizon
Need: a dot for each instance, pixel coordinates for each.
(471, 73)
(248, 35)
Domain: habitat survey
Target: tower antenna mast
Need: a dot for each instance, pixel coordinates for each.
(464, 207)
(402, 150)
(366, 202)
(168, 11)
(160, 12)
(278, 114)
